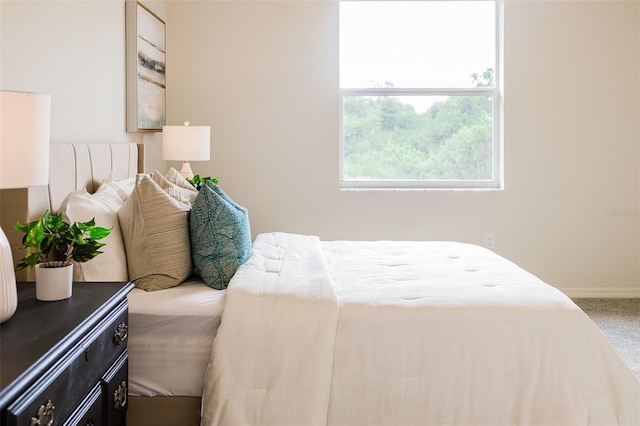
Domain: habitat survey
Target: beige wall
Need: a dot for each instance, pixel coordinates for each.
(74, 51)
(264, 75)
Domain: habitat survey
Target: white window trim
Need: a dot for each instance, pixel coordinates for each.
(496, 183)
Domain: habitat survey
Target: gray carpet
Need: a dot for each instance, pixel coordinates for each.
(619, 320)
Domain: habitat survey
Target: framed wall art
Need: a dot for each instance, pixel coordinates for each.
(146, 62)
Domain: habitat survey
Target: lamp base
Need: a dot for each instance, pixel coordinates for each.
(186, 170)
(8, 290)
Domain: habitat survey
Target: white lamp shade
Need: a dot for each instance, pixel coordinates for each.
(24, 139)
(186, 143)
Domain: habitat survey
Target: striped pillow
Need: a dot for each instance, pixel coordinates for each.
(155, 229)
(182, 193)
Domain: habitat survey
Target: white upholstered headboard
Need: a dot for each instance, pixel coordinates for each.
(73, 166)
(77, 166)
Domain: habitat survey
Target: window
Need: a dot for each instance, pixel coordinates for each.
(420, 97)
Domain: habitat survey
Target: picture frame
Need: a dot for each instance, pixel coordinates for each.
(146, 65)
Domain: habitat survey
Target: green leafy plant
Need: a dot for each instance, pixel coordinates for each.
(56, 243)
(198, 181)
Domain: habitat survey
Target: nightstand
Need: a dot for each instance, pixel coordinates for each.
(65, 362)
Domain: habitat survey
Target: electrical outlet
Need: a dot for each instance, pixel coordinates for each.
(489, 240)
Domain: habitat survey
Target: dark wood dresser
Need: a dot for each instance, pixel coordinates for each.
(65, 362)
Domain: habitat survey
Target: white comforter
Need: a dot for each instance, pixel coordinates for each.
(402, 333)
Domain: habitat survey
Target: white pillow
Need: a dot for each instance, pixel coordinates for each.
(80, 206)
(123, 187)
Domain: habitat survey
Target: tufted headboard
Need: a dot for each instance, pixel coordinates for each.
(73, 166)
(76, 166)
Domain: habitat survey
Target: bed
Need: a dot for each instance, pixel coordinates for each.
(345, 332)
(392, 332)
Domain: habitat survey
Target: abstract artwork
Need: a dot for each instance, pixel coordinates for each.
(146, 61)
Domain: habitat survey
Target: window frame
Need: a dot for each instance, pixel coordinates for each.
(495, 93)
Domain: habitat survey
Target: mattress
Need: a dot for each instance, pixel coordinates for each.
(170, 337)
(381, 333)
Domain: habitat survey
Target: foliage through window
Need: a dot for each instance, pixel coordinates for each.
(420, 98)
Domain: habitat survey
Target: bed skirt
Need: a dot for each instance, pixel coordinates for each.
(164, 411)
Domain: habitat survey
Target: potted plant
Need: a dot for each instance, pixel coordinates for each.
(55, 245)
(198, 181)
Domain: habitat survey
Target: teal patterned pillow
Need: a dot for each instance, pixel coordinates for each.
(220, 235)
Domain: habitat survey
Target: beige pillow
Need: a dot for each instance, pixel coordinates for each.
(155, 229)
(181, 193)
(174, 176)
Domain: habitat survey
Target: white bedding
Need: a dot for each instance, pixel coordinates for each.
(170, 335)
(401, 333)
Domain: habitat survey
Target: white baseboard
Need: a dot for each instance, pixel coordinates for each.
(602, 292)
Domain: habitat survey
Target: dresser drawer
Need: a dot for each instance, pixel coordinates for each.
(64, 387)
(89, 413)
(115, 386)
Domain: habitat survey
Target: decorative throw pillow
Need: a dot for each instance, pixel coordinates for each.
(180, 193)
(174, 176)
(220, 236)
(155, 227)
(80, 206)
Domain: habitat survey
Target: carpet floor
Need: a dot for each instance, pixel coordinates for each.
(619, 320)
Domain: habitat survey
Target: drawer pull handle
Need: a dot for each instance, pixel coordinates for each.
(45, 415)
(121, 333)
(120, 396)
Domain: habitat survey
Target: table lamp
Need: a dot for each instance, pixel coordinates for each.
(24, 161)
(186, 143)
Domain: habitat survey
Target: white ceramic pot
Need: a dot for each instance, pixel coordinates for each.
(53, 283)
(8, 291)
